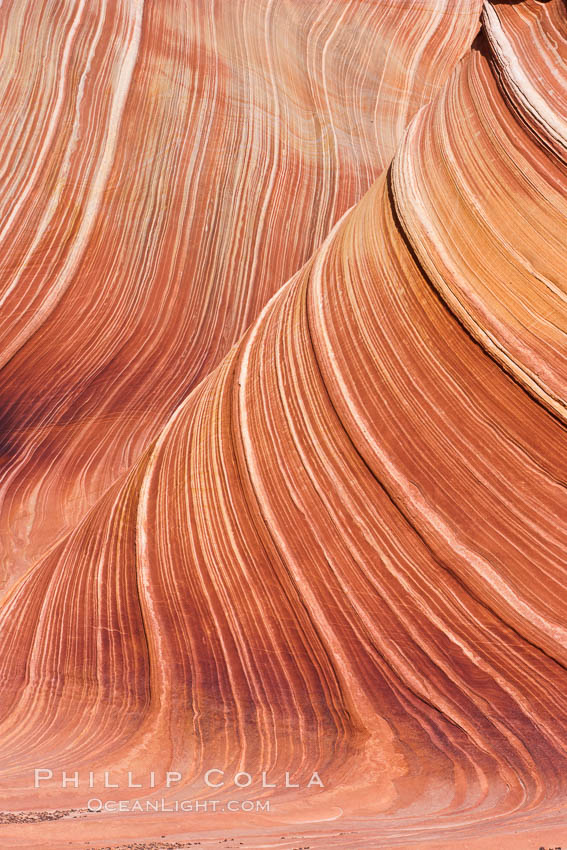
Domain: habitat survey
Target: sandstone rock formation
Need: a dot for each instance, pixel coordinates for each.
(167, 167)
(279, 528)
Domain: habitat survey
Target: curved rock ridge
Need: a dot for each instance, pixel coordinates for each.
(345, 551)
(502, 174)
(165, 168)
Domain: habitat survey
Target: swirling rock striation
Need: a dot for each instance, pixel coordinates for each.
(345, 550)
(166, 167)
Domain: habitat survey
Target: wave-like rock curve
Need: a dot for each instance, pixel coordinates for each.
(166, 167)
(345, 551)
